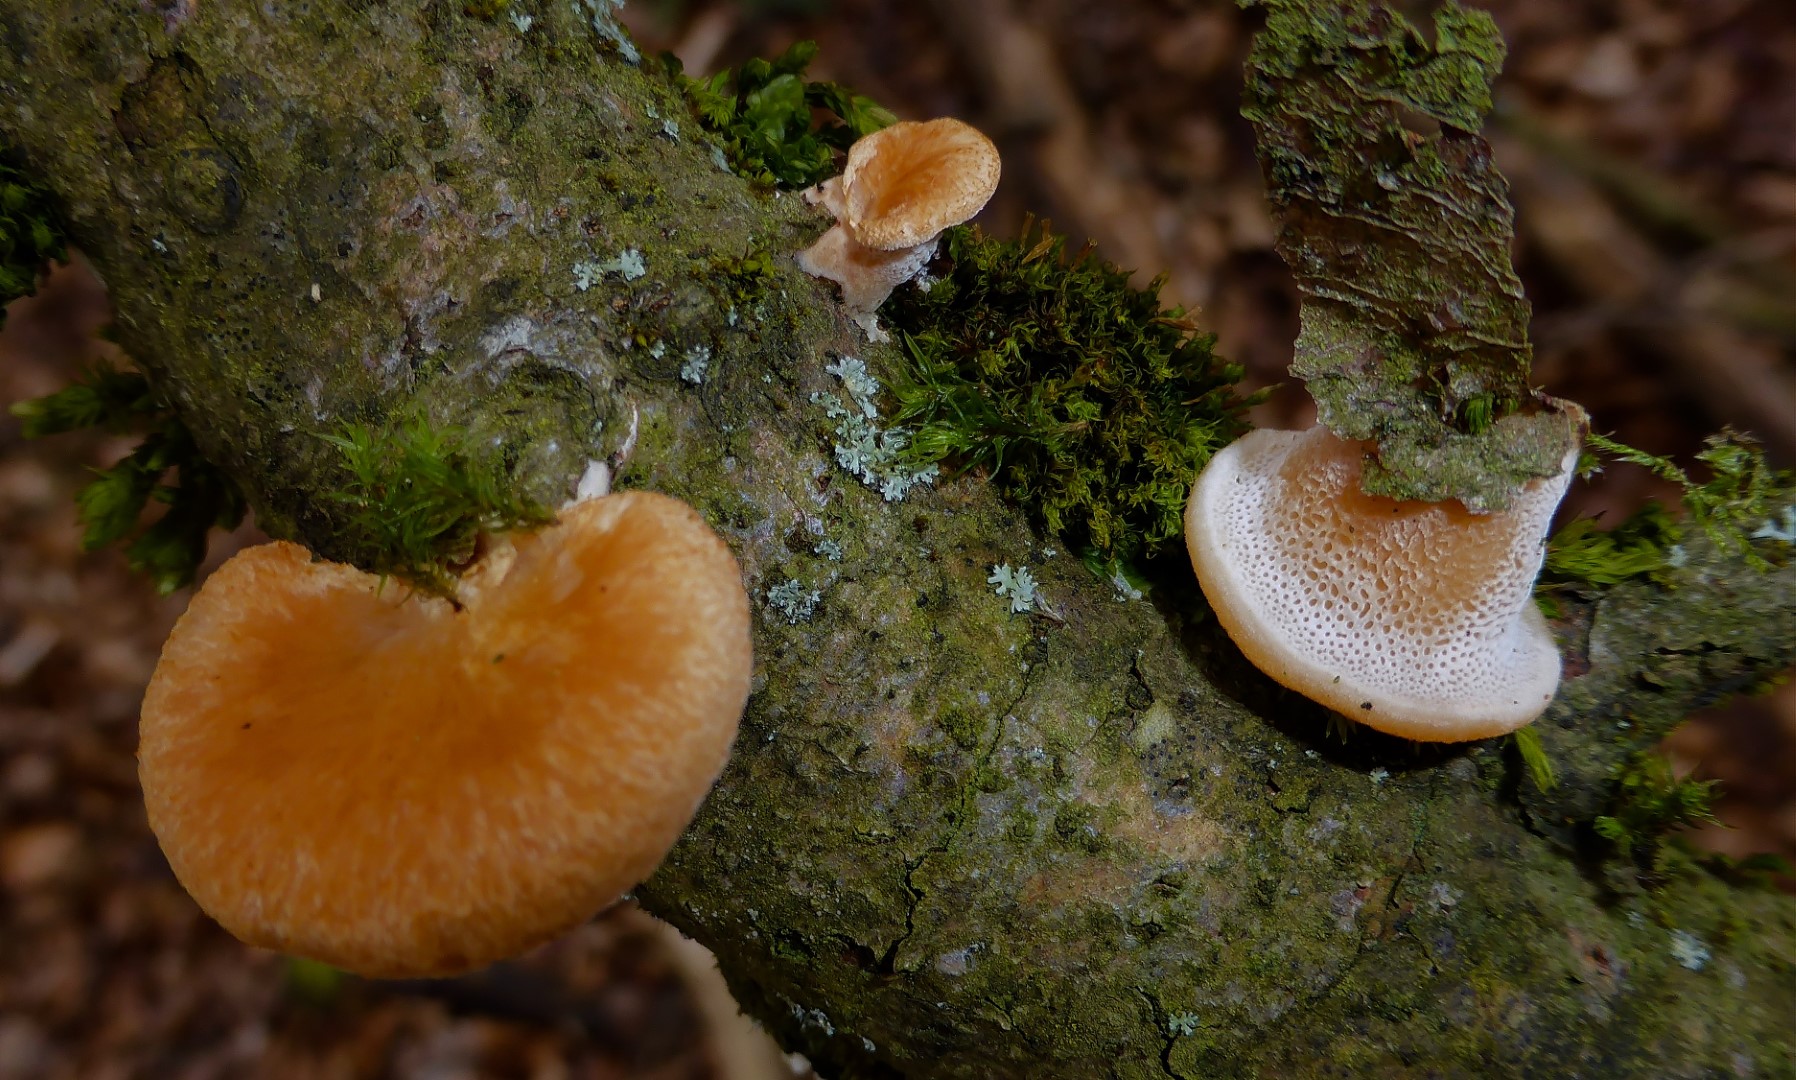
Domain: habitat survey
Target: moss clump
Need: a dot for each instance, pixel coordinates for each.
(1740, 503)
(1651, 802)
(777, 128)
(1742, 490)
(1085, 401)
(1582, 553)
(418, 500)
(30, 237)
(166, 467)
(1534, 756)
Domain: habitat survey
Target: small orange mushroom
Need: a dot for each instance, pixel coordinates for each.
(902, 186)
(1414, 618)
(398, 786)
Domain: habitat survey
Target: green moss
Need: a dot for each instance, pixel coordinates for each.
(961, 726)
(777, 128)
(1075, 825)
(1085, 401)
(166, 468)
(311, 983)
(1759, 871)
(1534, 756)
(418, 498)
(1743, 493)
(1650, 802)
(1738, 504)
(30, 236)
(1583, 553)
(745, 279)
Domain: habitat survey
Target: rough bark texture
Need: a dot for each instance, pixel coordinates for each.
(1397, 227)
(953, 842)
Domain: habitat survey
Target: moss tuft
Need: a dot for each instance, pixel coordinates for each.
(1742, 490)
(777, 128)
(418, 500)
(1651, 802)
(1534, 756)
(198, 497)
(1738, 505)
(1084, 400)
(1582, 553)
(30, 237)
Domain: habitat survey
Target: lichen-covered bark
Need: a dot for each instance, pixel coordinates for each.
(1397, 226)
(953, 841)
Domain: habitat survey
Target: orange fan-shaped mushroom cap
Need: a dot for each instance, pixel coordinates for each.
(393, 786)
(906, 183)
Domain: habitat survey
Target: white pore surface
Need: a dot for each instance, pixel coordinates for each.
(1415, 618)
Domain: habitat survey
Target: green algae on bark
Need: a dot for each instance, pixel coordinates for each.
(1397, 227)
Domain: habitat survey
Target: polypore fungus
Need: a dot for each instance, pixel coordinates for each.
(400, 786)
(1413, 618)
(903, 185)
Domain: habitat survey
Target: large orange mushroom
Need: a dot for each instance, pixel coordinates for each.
(399, 785)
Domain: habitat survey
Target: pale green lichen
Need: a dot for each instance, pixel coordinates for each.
(602, 16)
(1780, 529)
(793, 601)
(1689, 951)
(872, 454)
(1018, 586)
(628, 264)
(697, 364)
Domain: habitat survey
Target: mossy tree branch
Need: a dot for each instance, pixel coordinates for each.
(1398, 226)
(954, 841)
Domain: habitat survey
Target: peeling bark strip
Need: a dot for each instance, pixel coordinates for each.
(954, 841)
(1398, 227)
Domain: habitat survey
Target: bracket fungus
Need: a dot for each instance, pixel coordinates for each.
(1414, 618)
(399, 785)
(902, 187)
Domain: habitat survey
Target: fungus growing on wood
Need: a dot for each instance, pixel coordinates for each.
(902, 186)
(1414, 618)
(399, 785)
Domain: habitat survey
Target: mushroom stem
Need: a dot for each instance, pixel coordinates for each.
(595, 482)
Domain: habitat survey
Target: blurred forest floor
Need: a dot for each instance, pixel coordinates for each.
(1651, 145)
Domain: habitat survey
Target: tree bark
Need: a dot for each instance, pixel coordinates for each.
(953, 841)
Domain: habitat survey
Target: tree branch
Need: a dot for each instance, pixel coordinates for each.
(954, 841)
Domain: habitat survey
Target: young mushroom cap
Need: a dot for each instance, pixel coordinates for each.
(398, 787)
(1414, 618)
(906, 183)
(902, 186)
